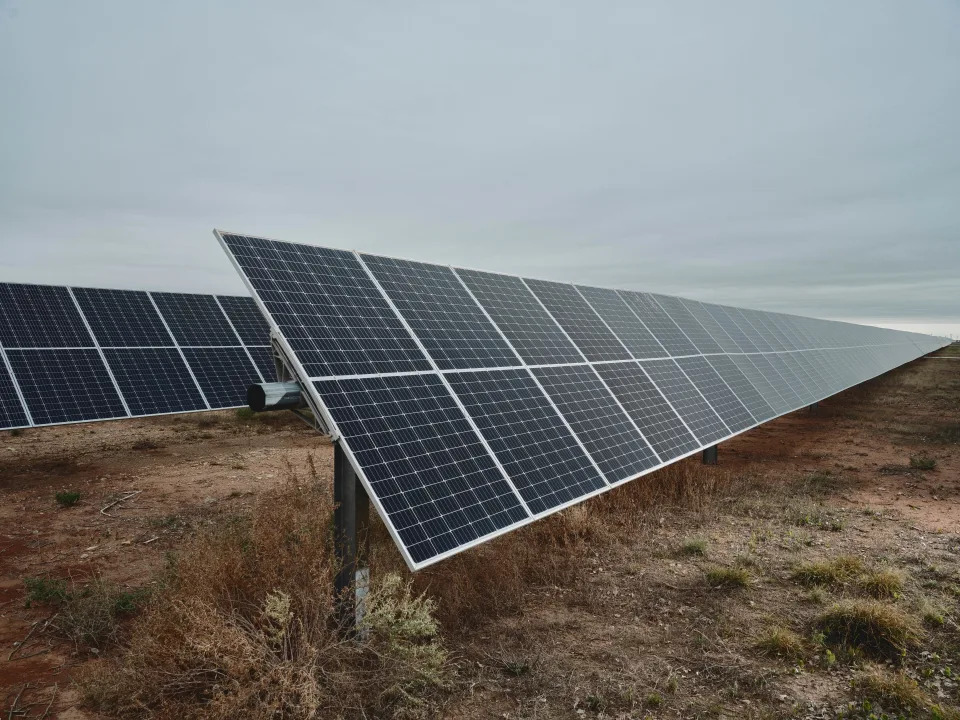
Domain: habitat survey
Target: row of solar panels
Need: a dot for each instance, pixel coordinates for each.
(471, 402)
(82, 354)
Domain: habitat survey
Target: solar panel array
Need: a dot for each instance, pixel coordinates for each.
(81, 354)
(471, 403)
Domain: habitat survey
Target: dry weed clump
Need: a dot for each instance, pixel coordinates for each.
(870, 627)
(245, 627)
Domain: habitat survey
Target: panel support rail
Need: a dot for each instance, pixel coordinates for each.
(710, 455)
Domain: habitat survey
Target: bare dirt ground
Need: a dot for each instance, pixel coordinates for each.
(636, 630)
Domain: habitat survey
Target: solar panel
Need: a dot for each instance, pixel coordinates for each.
(521, 318)
(623, 322)
(452, 327)
(691, 406)
(436, 483)
(84, 354)
(528, 437)
(607, 432)
(584, 327)
(470, 403)
(667, 332)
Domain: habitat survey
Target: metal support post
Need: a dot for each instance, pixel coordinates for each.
(813, 408)
(710, 455)
(351, 539)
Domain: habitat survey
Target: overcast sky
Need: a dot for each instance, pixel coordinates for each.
(797, 156)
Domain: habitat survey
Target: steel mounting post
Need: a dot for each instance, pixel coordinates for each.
(351, 520)
(710, 455)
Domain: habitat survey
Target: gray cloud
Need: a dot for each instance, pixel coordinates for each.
(790, 156)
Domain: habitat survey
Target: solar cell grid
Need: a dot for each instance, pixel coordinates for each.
(331, 313)
(154, 380)
(425, 465)
(65, 385)
(122, 318)
(12, 414)
(246, 318)
(710, 324)
(195, 319)
(659, 323)
(451, 325)
(720, 397)
(623, 322)
(756, 338)
(702, 420)
(751, 370)
(745, 390)
(40, 316)
(609, 435)
(660, 424)
(521, 318)
(528, 437)
(263, 359)
(224, 374)
(582, 324)
(785, 382)
(690, 326)
(730, 327)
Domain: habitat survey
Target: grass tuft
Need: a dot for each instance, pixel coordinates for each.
(728, 577)
(882, 584)
(892, 690)
(67, 498)
(780, 642)
(837, 571)
(874, 628)
(922, 462)
(694, 547)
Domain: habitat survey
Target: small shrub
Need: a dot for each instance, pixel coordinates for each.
(694, 547)
(922, 462)
(595, 703)
(893, 690)
(245, 414)
(45, 591)
(838, 571)
(882, 584)
(67, 498)
(654, 700)
(725, 577)
(875, 628)
(16, 432)
(780, 642)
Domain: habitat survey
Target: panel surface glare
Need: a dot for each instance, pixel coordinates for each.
(659, 323)
(623, 322)
(702, 420)
(246, 319)
(719, 396)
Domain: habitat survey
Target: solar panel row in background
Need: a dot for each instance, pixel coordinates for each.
(472, 402)
(82, 354)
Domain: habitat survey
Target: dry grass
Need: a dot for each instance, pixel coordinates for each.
(882, 584)
(781, 642)
(727, 577)
(870, 627)
(829, 573)
(893, 690)
(922, 462)
(245, 627)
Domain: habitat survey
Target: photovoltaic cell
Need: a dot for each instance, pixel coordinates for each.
(686, 400)
(756, 338)
(659, 323)
(781, 380)
(11, 409)
(448, 321)
(327, 307)
(745, 390)
(528, 437)
(582, 324)
(246, 319)
(224, 374)
(154, 380)
(726, 322)
(426, 466)
(661, 426)
(623, 322)
(40, 316)
(65, 385)
(690, 326)
(195, 319)
(122, 318)
(524, 322)
(595, 416)
(720, 397)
